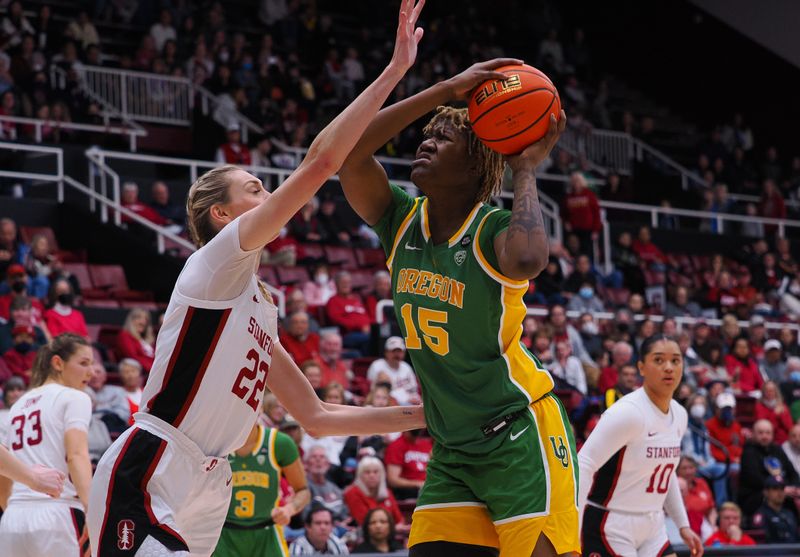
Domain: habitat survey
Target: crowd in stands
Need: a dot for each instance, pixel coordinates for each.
(740, 473)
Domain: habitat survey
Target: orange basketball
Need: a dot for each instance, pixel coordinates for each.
(508, 115)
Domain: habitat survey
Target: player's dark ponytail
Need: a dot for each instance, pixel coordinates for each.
(63, 346)
(647, 344)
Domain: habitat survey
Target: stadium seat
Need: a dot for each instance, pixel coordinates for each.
(101, 303)
(291, 275)
(312, 252)
(112, 279)
(338, 256)
(268, 275)
(362, 281)
(371, 257)
(361, 365)
(81, 273)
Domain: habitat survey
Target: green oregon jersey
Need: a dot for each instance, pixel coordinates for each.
(257, 477)
(462, 321)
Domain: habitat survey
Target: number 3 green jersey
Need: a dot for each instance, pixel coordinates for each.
(462, 321)
(257, 477)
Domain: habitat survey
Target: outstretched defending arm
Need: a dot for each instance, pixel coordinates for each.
(329, 150)
(319, 418)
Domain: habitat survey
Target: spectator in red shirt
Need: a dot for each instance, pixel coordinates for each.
(17, 280)
(130, 376)
(407, 463)
(723, 293)
(724, 428)
(21, 311)
(19, 359)
(771, 205)
(381, 290)
(648, 252)
(369, 491)
(234, 151)
(698, 496)
(746, 295)
(770, 407)
(298, 340)
(346, 310)
(334, 369)
(62, 317)
(130, 200)
(621, 354)
(581, 212)
(136, 339)
(742, 368)
(730, 528)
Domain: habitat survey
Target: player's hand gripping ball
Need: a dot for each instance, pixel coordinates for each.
(508, 115)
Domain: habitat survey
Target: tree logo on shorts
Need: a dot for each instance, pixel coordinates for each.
(125, 537)
(560, 450)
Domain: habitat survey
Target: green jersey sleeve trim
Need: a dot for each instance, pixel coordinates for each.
(495, 222)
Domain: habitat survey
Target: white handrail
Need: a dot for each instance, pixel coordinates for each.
(38, 125)
(58, 177)
(207, 97)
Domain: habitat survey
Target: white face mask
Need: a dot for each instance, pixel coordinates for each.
(590, 328)
(698, 411)
(321, 278)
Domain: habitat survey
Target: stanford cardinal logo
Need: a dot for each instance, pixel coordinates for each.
(125, 530)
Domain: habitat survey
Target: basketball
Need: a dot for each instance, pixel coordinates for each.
(509, 115)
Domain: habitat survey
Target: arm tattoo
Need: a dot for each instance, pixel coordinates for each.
(526, 214)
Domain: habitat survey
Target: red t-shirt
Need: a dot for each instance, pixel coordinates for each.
(699, 497)
(721, 538)
(582, 211)
(608, 379)
(301, 350)
(37, 309)
(337, 373)
(18, 363)
(649, 252)
(360, 504)
(72, 323)
(411, 457)
(781, 422)
(731, 437)
(347, 312)
(744, 375)
(129, 346)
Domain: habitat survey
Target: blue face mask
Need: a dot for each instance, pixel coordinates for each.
(726, 415)
(795, 376)
(23, 347)
(586, 293)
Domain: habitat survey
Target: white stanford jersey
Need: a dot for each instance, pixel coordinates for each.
(628, 462)
(37, 423)
(212, 357)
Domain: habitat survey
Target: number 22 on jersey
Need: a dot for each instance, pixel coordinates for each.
(258, 373)
(436, 337)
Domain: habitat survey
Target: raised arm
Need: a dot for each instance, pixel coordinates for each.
(363, 179)
(319, 418)
(522, 250)
(329, 150)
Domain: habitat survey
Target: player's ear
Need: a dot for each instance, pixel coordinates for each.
(57, 364)
(219, 213)
(640, 366)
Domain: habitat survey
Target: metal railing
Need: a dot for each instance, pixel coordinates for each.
(149, 97)
(57, 177)
(40, 128)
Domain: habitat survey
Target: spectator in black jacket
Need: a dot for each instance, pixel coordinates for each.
(762, 459)
(778, 522)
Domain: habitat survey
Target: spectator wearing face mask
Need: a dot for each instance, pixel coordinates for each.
(696, 445)
(321, 289)
(62, 317)
(585, 301)
(590, 334)
(726, 430)
(19, 358)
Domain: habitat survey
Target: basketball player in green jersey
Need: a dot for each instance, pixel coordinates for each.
(502, 477)
(254, 526)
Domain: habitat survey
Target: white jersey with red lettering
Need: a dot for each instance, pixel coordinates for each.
(213, 356)
(628, 462)
(37, 423)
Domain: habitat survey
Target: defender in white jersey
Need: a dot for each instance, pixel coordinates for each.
(49, 426)
(163, 487)
(627, 465)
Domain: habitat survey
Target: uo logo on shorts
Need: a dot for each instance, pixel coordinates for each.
(560, 450)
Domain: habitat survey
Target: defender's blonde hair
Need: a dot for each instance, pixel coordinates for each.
(208, 190)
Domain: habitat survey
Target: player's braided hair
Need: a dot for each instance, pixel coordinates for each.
(208, 190)
(490, 163)
(63, 346)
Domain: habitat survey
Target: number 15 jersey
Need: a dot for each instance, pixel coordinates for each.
(462, 321)
(628, 462)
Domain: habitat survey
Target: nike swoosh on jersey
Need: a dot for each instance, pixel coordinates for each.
(413, 248)
(515, 437)
(650, 434)
(255, 299)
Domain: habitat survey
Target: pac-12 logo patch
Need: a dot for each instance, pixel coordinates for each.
(125, 535)
(460, 256)
(560, 450)
(465, 241)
